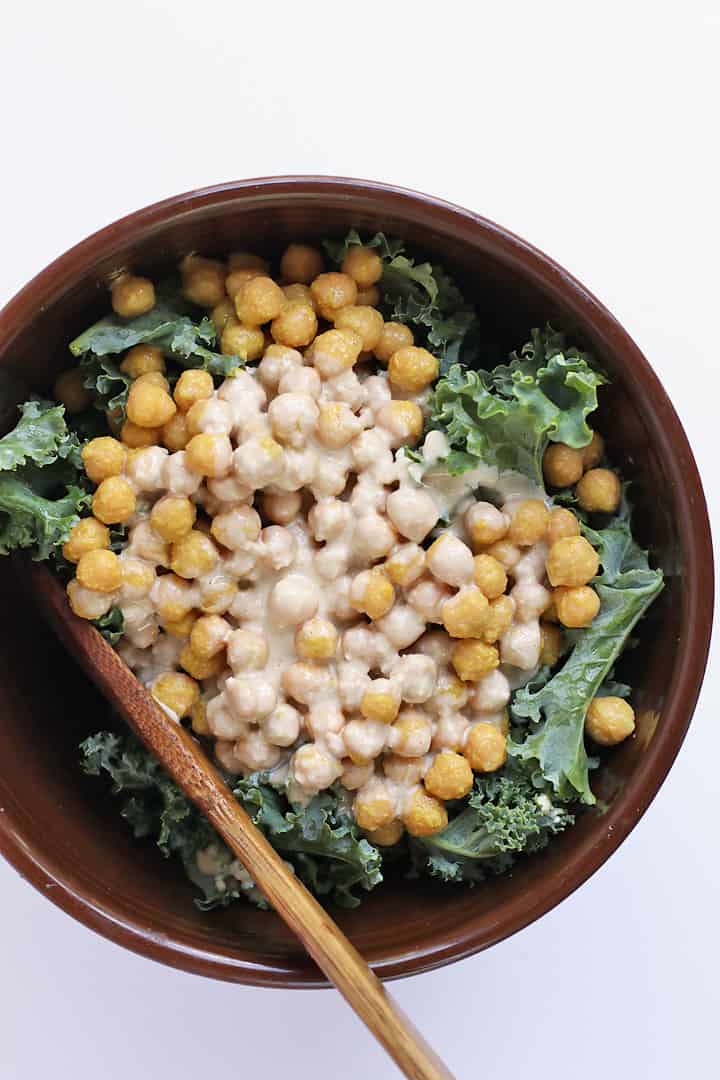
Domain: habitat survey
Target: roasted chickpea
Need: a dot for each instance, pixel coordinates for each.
(141, 360)
(505, 552)
(562, 523)
(193, 555)
(485, 747)
(609, 720)
(577, 606)
(222, 314)
(174, 435)
(372, 594)
(374, 811)
(192, 386)
(137, 438)
(247, 650)
(424, 814)
(236, 339)
(209, 635)
(367, 322)
(394, 336)
(258, 301)
(489, 576)
(209, 455)
(572, 561)
(88, 535)
(103, 457)
(281, 507)
(301, 263)
(242, 260)
(316, 639)
(99, 570)
(114, 501)
(172, 517)
(412, 369)
(381, 701)
(138, 578)
(403, 419)
(200, 667)
(405, 565)
(149, 405)
(237, 278)
(593, 453)
(181, 627)
(411, 733)
(528, 522)
(552, 644)
(473, 659)
(486, 524)
(203, 281)
(69, 390)
(333, 291)
(177, 692)
(388, 835)
(132, 296)
(337, 424)
(499, 618)
(562, 465)
(449, 776)
(465, 614)
(364, 266)
(334, 351)
(599, 491)
(296, 325)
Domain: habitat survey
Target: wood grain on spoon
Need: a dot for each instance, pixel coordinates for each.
(184, 759)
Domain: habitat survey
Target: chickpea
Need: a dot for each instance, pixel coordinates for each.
(412, 369)
(209, 455)
(394, 336)
(492, 693)
(576, 606)
(149, 406)
(258, 461)
(293, 600)
(174, 435)
(132, 296)
(242, 260)
(88, 535)
(411, 734)
(247, 342)
(198, 719)
(135, 437)
(317, 639)
(180, 628)
(374, 809)
(552, 644)
(334, 351)
(87, 603)
(474, 659)
(364, 266)
(174, 598)
(368, 297)
(424, 814)
(413, 512)
(209, 635)
(203, 281)
(402, 626)
(280, 507)
(486, 524)
(172, 517)
(99, 570)
(314, 769)
(386, 836)
(177, 692)
(222, 314)
(428, 597)
(192, 386)
(296, 325)
(489, 576)
(403, 419)
(247, 649)
(505, 552)
(138, 578)
(333, 291)
(308, 683)
(212, 416)
(593, 453)
(531, 599)
(69, 390)
(301, 380)
(301, 263)
(485, 747)
(237, 278)
(372, 594)
(193, 555)
(293, 418)
(562, 523)
(114, 501)
(141, 360)
(153, 378)
(406, 564)
(298, 291)
(450, 561)
(562, 465)
(282, 727)
(449, 776)
(499, 619)
(528, 522)
(367, 322)
(572, 561)
(217, 595)
(337, 425)
(200, 667)
(374, 536)
(599, 491)
(258, 301)
(465, 614)
(438, 645)
(381, 701)
(609, 720)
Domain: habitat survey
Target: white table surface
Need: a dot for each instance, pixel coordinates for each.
(594, 136)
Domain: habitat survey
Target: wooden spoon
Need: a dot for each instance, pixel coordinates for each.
(185, 761)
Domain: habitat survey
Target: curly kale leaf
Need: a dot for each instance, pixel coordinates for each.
(111, 625)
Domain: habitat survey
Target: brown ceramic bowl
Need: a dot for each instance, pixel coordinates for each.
(62, 830)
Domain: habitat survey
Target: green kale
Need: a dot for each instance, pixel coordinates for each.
(111, 625)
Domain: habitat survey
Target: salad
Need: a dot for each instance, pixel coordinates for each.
(382, 572)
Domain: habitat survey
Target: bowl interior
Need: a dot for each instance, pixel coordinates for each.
(63, 829)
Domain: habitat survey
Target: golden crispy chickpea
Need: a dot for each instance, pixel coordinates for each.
(405, 565)
(374, 812)
(599, 491)
(280, 507)
(180, 628)
(301, 263)
(153, 378)
(222, 314)
(489, 576)
(132, 296)
(367, 322)
(99, 570)
(174, 435)
(474, 659)
(424, 814)
(412, 369)
(381, 701)
(552, 643)
(141, 360)
(148, 405)
(386, 836)
(240, 260)
(609, 720)
(203, 281)
(198, 719)
(576, 606)
(114, 501)
(209, 454)
(550, 614)
(138, 578)
(449, 776)
(528, 522)
(68, 389)
(572, 561)
(247, 342)
(316, 639)
(393, 337)
(193, 555)
(174, 598)
(337, 425)
(562, 465)
(237, 278)
(333, 291)
(258, 301)
(103, 457)
(296, 325)
(368, 297)
(193, 385)
(217, 595)
(333, 352)
(177, 692)
(465, 614)
(486, 524)
(403, 419)
(562, 523)
(88, 535)
(364, 266)
(298, 291)
(209, 635)
(593, 453)
(200, 667)
(498, 619)
(172, 517)
(485, 747)
(136, 438)
(372, 594)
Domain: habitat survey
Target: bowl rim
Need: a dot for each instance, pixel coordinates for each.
(64, 888)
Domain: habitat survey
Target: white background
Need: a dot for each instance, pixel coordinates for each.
(591, 130)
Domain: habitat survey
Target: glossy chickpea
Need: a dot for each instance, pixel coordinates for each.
(193, 555)
(465, 614)
(209, 454)
(87, 603)
(411, 733)
(528, 522)
(192, 386)
(381, 701)
(114, 501)
(141, 360)
(200, 667)
(485, 747)
(88, 535)
(293, 600)
(403, 420)
(103, 457)
(576, 607)
(552, 643)
(172, 517)
(449, 776)
(424, 814)
(450, 560)
(372, 594)
(222, 314)
(176, 692)
(296, 325)
(599, 491)
(247, 342)
(609, 720)
(388, 835)
(137, 578)
(412, 369)
(572, 561)
(132, 296)
(489, 576)
(174, 599)
(240, 260)
(367, 322)
(562, 465)
(394, 336)
(203, 281)
(258, 301)
(135, 437)
(239, 277)
(333, 291)
(473, 659)
(486, 524)
(281, 507)
(593, 453)
(174, 435)
(363, 265)
(209, 635)
(236, 528)
(316, 639)
(298, 291)
(405, 565)
(374, 809)
(334, 351)
(337, 425)
(69, 390)
(99, 570)
(217, 595)
(247, 649)
(149, 405)
(563, 523)
(301, 263)
(499, 618)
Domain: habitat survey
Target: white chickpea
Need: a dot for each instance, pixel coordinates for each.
(377, 389)
(367, 448)
(339, 603)
(276, 362)
(146, 544)
(293, 418)
(281, 507)
(330, 478)
(293, 600)
(345, 387)
(255, 752)
(247, 649)
(411, 734)
(367, 645)
(250, 697)
(416, 677)
(324, 718)
(438, 644)
(373, 537)
(404, 771)
(531, 599)
(333, 560)
(257, 461)
(279, 547)
(282, 726)
(228, 489)
(451, 561)
(88, 603)
(365, 739)
(531, 566)
(427, 598)
(402, 626)
(225, 756)
(140, 622)
(237, 528)
(492, 693)
(244, 388)
(222, 722)
(243, 564)
(355, 776)
(299, 469)
(178, 477)
(352, 682)
(368, 496)
(314, 769)
(520, 645)
(485, 523)
(337, 425)
(329, 518)
(213, 416)
(248, 604)
(146, 468)
(308, 683)
(413, 512)
(450, 731)
(301, 380)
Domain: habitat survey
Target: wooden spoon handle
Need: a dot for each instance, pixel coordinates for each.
(184, 759)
